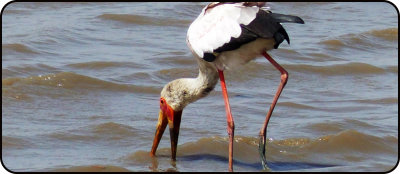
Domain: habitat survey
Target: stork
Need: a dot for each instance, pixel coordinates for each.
(225, 35)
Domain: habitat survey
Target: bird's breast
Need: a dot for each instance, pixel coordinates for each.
(244, 54)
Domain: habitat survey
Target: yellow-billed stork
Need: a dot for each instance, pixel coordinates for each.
(224, 35)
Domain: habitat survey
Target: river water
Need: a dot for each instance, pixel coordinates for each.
(81, 84)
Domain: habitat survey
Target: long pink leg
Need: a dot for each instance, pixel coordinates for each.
(229, 118)
(284, 79)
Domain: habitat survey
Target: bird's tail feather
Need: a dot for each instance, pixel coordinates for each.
(287, 18)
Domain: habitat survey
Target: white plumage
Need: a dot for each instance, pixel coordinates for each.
(216, 26)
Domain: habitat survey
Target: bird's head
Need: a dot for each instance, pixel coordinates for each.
(178, 93)
(174, 97)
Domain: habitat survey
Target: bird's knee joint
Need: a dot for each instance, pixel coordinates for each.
(284, 77)
(231, 127)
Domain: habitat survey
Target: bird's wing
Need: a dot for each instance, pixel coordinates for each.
(215, 26)
(267, 25)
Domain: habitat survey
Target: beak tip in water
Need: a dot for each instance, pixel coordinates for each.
(173, 118)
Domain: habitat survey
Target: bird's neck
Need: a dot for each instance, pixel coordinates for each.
(207, 78)
(205, 81)
(198, 87)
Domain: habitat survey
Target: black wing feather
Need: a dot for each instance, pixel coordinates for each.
(265, 25)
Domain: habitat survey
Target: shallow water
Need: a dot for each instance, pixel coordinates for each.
(81, 83)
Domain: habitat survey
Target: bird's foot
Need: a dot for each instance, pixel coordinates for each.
(261, 150)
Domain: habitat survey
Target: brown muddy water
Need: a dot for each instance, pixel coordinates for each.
(81, 84)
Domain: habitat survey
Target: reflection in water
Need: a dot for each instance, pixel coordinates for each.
(154, 164)
(274, 166)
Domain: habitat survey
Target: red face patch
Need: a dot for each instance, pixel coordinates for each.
(166, 109)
